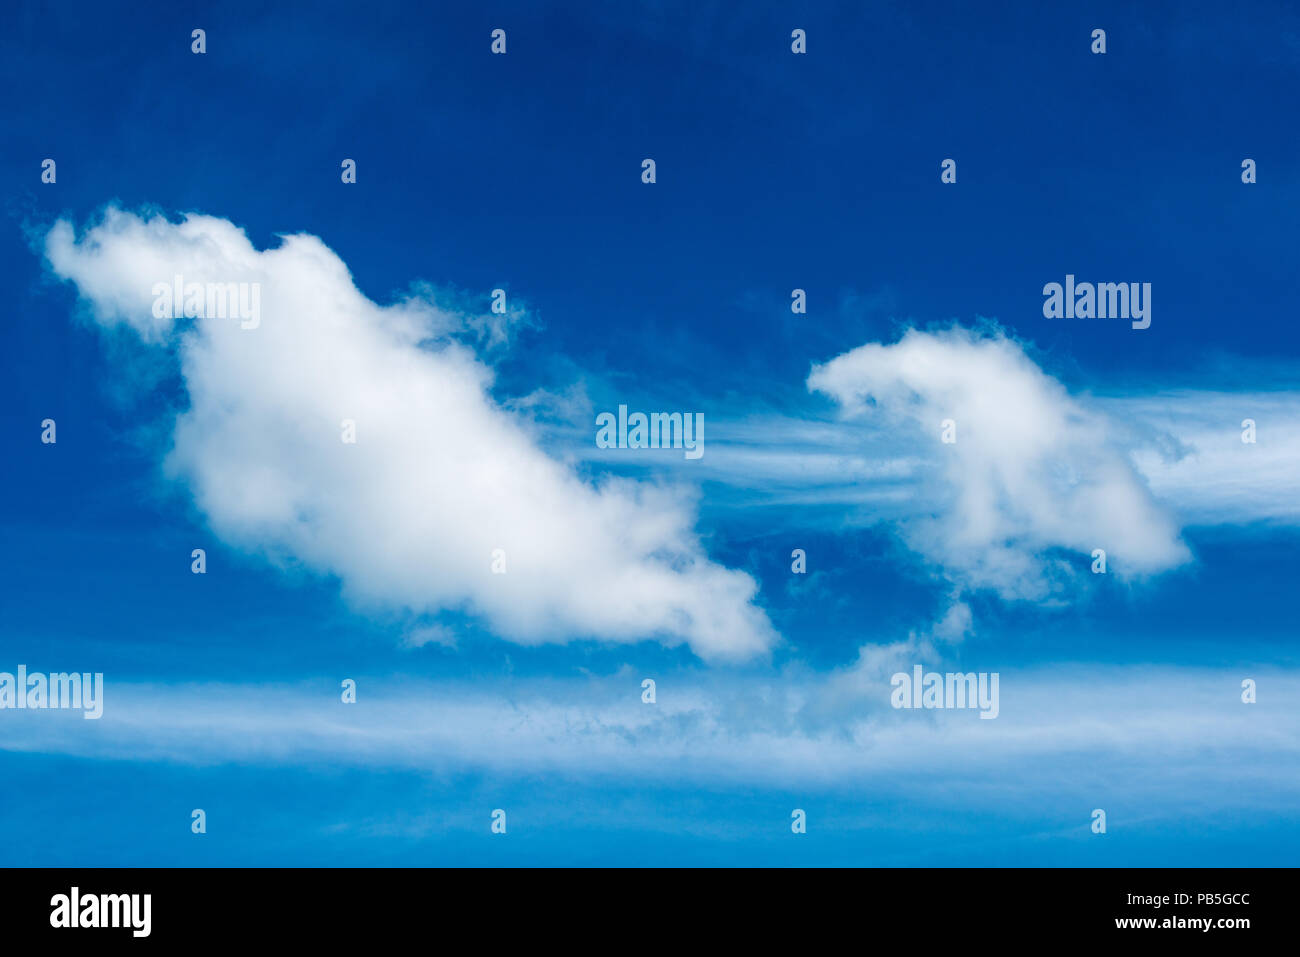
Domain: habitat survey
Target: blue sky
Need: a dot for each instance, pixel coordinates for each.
(775, 171)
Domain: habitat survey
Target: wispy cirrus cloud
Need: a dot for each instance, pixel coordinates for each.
(1184, 444)
(1188, 445)
(1064, 728)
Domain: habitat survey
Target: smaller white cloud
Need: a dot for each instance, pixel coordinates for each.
(423, 635)
(1033, 471)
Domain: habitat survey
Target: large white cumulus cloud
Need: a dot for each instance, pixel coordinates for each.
(1033, 472)
(440, 475)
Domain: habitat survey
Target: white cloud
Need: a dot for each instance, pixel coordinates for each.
(1032, 471)
(440, 474)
